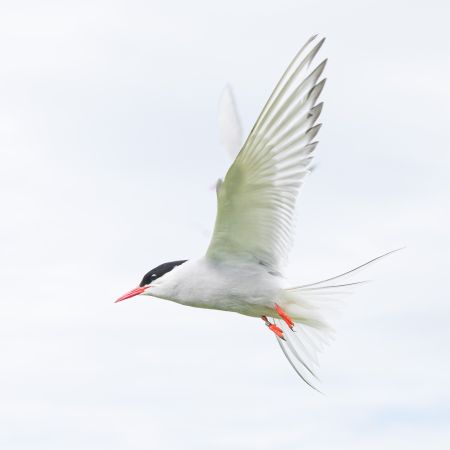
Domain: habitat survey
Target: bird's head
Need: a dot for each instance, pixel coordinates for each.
(149, 278)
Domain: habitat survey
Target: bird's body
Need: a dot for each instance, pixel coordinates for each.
(241, 287)
(242, 269)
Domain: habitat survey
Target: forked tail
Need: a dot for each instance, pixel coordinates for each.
(310, 305)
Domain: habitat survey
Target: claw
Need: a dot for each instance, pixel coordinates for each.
(272, 327)
(285, 317)
(277, 330)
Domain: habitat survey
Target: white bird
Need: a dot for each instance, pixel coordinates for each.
(242, 268)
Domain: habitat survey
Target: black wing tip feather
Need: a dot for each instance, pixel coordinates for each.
(321, 65)
(321, 42)
(312, 54)
(313, 38)
(316, 109)
(320, 85)
(312, 132)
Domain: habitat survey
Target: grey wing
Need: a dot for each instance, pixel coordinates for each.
(256, 200)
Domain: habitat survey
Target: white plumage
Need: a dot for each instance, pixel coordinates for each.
(242, 269)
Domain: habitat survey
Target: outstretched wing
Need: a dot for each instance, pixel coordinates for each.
(256, 200)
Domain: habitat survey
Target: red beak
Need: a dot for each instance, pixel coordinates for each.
(132, 293)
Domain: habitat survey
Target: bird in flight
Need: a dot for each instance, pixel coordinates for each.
(241, 271)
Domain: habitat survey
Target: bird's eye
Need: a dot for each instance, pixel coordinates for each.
(153, 275)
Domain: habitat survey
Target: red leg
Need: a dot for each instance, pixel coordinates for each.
(285, 317)
(272, 327)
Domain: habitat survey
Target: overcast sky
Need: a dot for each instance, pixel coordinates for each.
(108, 147)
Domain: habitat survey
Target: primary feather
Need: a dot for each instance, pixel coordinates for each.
(257, 198)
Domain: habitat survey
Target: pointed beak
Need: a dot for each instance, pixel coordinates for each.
(132, 293)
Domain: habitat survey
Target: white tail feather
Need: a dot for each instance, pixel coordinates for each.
(310, 306)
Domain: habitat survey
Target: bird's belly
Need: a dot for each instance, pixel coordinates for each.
(250, 304)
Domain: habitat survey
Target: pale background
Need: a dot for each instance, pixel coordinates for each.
(109, 144)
